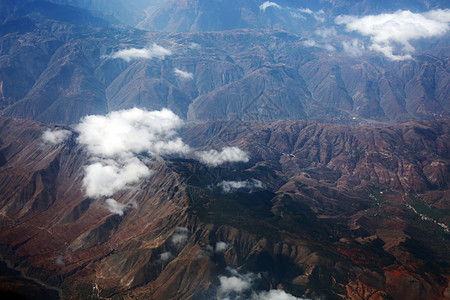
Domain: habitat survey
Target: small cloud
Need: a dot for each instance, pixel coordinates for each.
(392, 33)
(231, 186)
(228, 154)
(268, 4)
(221, 246)
(180, 237)
(194, 46)
(353, 47)
(305, 11)
(183, 75)
(313, 43)
(56, 136)
(60, 261)
(319, 15)
(115, 207)
(240, 286)
(236, 283)
(326, 32)
(274, 295)
(146, 53)
(165, 256)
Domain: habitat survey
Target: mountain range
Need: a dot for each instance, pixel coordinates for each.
(224, 149)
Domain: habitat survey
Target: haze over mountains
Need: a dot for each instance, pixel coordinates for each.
(224, 149)
(60, 75)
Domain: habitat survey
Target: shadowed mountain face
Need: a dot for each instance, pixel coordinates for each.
(340, 210)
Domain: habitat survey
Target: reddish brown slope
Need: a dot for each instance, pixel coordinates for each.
(333, 219)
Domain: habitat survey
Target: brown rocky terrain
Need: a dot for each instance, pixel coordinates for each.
(357, 212)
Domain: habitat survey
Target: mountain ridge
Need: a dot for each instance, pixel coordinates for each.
(309, 192)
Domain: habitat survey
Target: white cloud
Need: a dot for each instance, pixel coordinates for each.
(183, 74)
(305, 11)
(319, 15)
(194, 46)
(231, 186)
(221, 246)
(268, 4)
(274, 295)
(146, 53)
(107, 177)
(240, 285)
(228, 154)
(326, 32)
(56, 136)
(115, 142)
(353, 47)
(233, 284)
(126, 132)
(313, 43)
(115, 207)
(236, 283)
(391, 34)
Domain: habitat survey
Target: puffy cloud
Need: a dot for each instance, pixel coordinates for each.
(126, 132)
(233, 284)
(274, 295)
(240, 286)
(236, 283)
(267, 4)
(391, 33)
(115, 207)
(231, 186)
(221, 246)
(228, 154)
(146, 53)
(106, 177)
(353, 48)
(56, 136)
(115, 142)
(183, 74)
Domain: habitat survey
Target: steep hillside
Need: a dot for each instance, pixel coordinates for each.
(319, 211)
